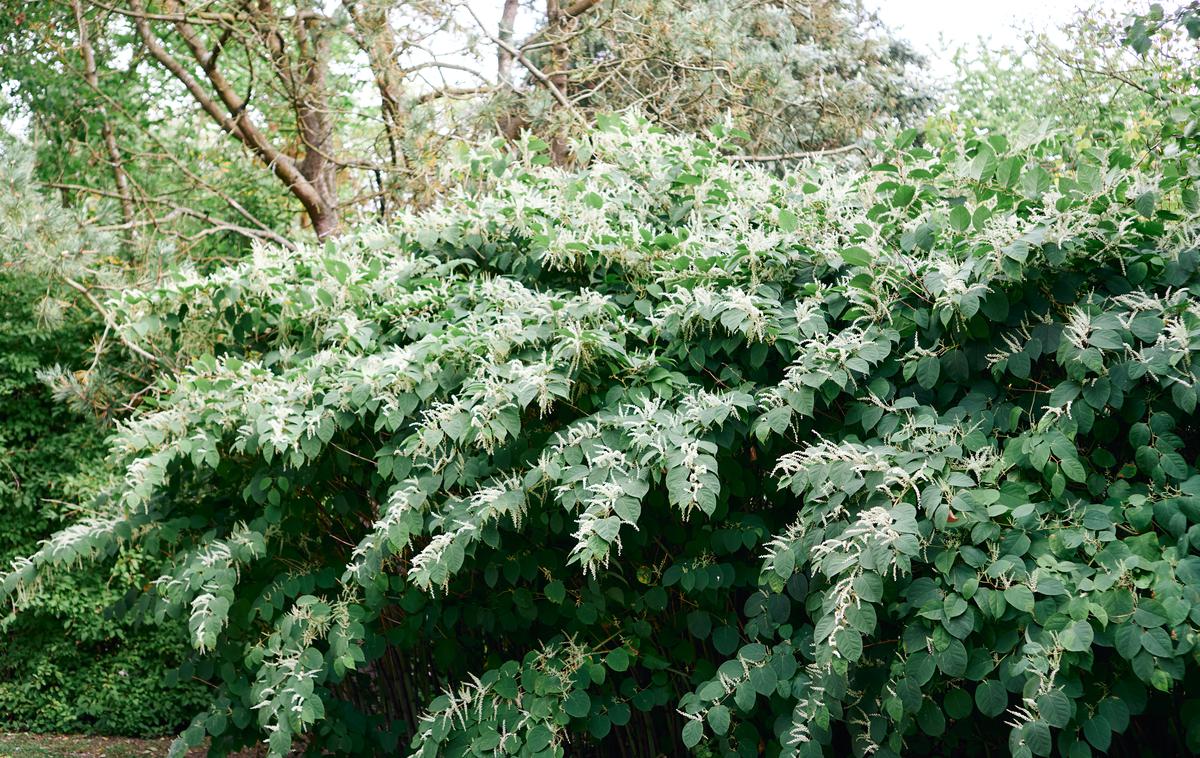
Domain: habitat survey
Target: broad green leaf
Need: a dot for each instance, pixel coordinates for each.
(991, 698)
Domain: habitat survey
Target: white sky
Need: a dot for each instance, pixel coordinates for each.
(937, 27)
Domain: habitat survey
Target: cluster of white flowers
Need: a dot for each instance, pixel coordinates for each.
(462, 522)
(810, 700)
(479, 700)
(208, 577)
(402, 518)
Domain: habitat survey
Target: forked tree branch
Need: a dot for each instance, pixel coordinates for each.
(231, 112)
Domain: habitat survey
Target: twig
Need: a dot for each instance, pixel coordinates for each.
(797, 155)
(108, 319)
(531, 68)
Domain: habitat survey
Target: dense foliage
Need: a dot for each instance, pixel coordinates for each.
(659, 452)
(114, 174)
(792, 76)
(668, 452)
(66, 665)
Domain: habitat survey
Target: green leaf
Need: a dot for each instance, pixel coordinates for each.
(785, 563)
(953, 660)
(1009, 171)
(337, 269)
(1128, 640)
(1036, 735)
(1035, 181)
(849, 644)
(1096, 730)
(991, 698)
(777, 419)
(1055, 708)
(980, 217)
(1079, 749)
(1073, 469)
(856, 256)
(699, 624)
(1020, 597)
(1145, 203)
(617, 660)
(1161, 680)
(1146, 458)
(787, 220)
(1077, 637)
(1173, 465)
(928, 371)
(957, 704)
(599, 726)
(1146, 327)
(903, 195)
(693, 732)
(931, 720)
(869, 587)
(924, 236)
(577, 704)
(960, 218)
(1157, 642)
(1191, 200)
(718, 719)
(764, 680)
(744, 697)
(1184, 397)
(725, 639)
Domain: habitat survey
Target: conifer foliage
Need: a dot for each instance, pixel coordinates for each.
(671, 453)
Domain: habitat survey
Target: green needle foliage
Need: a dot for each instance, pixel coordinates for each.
(668, 453)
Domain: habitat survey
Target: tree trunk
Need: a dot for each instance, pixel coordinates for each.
(504, 56)
(555, 19)
(316, 126)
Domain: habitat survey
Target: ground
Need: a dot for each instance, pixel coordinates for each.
(26, 745)
(71, 746)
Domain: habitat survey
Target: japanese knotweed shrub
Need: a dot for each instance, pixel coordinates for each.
(669, 453)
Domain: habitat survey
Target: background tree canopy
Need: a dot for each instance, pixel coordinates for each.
(348, 109)
(626, 440)
(66, 665)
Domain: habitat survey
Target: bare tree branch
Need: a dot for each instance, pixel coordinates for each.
(178, 210)
(531, 68)
(108, 319)
(373, 34)
(571, 12)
